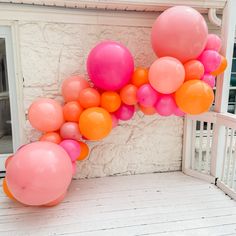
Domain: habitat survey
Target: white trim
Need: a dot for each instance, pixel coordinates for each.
(227, 190)
(199, 175)
(214, 19)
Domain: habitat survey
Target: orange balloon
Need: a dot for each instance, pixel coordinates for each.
(89, 97)
(53, 137)
(72, 111)
(194, 97)
(148, 110)
(221, 68)
(56, 201)
(140, 77)
(110, 101)
(95, 123)
(6, 190)
(194, 69)
(84, 151)
(128, 94)
(8, 161)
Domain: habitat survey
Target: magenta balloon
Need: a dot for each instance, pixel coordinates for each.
(70, 130)
(213, 43)
(178, 112)
(147, 96)
(72, 148)
(39, 173)
(165, 105)
(125, 112)
(209, 79)
(179, 32)
(210, 60)
(110, 65)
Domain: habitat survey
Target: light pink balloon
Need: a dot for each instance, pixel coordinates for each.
(39, 173)
(147, 96)
(110, 65)
(166, 75)
(178, 112)
(210, 60)
(125, 112)
(179, 32)
(46, 115)
(70, 130)
(72, 148)
(56, 201)
(209, 79)
(115, 121)
(165, 105)
(213, 43)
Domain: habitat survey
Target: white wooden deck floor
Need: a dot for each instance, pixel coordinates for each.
(154, 204)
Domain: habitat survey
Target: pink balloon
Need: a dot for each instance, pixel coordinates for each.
(125, 112)
(178, 112)
(46, 115)
(179, 32)
(110, 65)
(39, 173)
(165, 105)
(56, 201)
(147, 96)
(72, 148)
(74, 167)
(213, 43)
(72, 86)
(115, 121)
(209, 79)
(210, 60)
(166, 75)
(70, 130)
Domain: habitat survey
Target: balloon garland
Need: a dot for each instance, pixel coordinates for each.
(180, 81)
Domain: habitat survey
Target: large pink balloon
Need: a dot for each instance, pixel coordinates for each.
(46, 115)
(166, 105)
(146, 95)
(70, 130)
(179, 32)
(166, 75)
(39, 173)
(110, 65)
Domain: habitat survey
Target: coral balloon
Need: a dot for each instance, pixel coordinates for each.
(70, 130)
(165, 105)
(128, 94)
(209, 79)
(53, 137)
(110, 101)
(6, 190)
(95, 123)
(8, 161)
(110, 65)
(72, 111)
(166, 75)
(213, 43)
(140, 77)
(56, 201)
(146, 95)
(180, 32)
(194, 69)
(125, 112)
(72, 87)
(194, 97)
(46, 115)
(221, 68)
(84, 151)
(147, 110)
(89, 97)
(72, 148)
(39, 173)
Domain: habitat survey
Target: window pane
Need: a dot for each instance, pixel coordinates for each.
(5, 116)
(234, 55)
(234, 65)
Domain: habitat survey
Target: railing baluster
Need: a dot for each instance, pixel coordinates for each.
(229, 166)
(200, 146)
(193, 144)
(208, 147)
(225, 153)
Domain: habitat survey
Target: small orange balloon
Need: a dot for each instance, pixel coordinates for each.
(140, 77)
(128, 94)
(95, 123)
(89, 97)
(148, 110)
(8, 161)
(53, 137)
(72, 111)
(6, 190)
(194, 69)
(221, 68)
(194, 97)
(84, 151)
(110, 101)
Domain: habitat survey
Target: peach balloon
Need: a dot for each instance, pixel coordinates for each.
(128, 94)
(70, 130)
(148, 110)
(140, 77)
(72, 86)
(110, 101)
(72, 111)
(46, 115)
(84, 151)
(221, 68)
(53, 137)
(89, 97)
(194, 69)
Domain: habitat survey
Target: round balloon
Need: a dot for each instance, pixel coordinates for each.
(110, 101)
(213, 42)
(148, 110)
(72, 111)
(39, 173)
(6, 190)
(180, 32)
(89, 97)
(46, 115)
(56, 201)
(221, 68)
(194, 97)
(140, 77)
(115, 120)
(165, 105)
(194, 69)
(110, 65)
(146, 95)
(72, 148)
(209, 79)
(125, 112)
(84, 151)
(70, 130)
(128, 94)
(53, 137)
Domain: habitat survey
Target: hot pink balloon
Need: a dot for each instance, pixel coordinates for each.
(166, 75)
(72, 148)
(39, 173)
(165, 105)
(110, 65)
(179, 32)
(178, 112)
(209, 79)
(147, 96)
(213, 43)
(46, 115)
(70, 130)
(115, 121)
(210, 60)
(125, 112)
